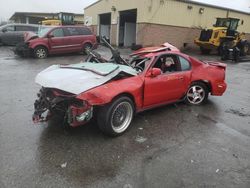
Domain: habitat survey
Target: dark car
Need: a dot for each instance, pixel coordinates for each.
(56, 40)
(12, 34)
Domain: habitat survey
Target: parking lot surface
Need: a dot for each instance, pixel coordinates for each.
(172, 146)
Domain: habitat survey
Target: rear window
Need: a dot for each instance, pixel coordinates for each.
(85, 31)
(73, 31)
(22, 28)
(26, 28)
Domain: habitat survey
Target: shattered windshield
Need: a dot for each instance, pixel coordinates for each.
(43, 30)
(140, 64)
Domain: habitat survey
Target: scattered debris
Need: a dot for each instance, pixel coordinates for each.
(192, 161)
(237, 112)
(236, 156)
(64, 165)
(140, 139)
(147, 146)
(217, 170)
(140, 128)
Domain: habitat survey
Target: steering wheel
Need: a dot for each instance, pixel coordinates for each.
(138, 68)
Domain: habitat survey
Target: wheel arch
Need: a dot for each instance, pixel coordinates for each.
(125, 94)
(87, 42)
(206, 82)
(40, 45)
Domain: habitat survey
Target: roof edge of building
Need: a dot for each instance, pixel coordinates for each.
(214, 6)
(41, 13)
(92, 4)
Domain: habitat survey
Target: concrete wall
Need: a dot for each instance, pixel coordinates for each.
(155, 34)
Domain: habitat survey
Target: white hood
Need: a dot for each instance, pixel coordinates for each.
(80, 77)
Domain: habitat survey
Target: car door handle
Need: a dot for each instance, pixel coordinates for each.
(181, 78)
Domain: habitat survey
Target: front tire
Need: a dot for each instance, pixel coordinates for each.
(197, 94)
(40, 52)
(115, 118)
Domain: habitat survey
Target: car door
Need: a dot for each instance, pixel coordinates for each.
(73, 39)
(7, 35)
(169, 86)
(56, 41)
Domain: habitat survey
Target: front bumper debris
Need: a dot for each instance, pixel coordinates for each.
(51, 102)
(79, 115)
(22, 49)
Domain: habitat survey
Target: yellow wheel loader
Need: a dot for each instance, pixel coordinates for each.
(223, 33)
(62, 18)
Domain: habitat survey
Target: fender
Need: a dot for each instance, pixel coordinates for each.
(40, 43)
(104, 94)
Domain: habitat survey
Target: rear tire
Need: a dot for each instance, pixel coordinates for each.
(197, 94)
(115, 118)
(40, 52)
(86, 47)
(245, 49)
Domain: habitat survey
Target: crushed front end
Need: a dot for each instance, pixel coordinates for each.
(54, 102)
(22, 49)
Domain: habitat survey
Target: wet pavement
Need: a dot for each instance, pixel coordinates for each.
(173, 146)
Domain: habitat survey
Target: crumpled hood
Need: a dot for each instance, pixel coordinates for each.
(77, 78)
(29, 36)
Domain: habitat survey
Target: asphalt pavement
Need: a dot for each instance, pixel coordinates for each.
(172, 146)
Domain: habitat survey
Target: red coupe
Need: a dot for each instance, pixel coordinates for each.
(113, 91)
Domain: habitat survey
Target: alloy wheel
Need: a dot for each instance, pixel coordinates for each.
(196, 94)
(41, 53)
(121, 117)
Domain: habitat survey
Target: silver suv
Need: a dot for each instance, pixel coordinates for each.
(12, 34)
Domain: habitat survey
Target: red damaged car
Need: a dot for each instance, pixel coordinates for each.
(56, 40)
(113, 91)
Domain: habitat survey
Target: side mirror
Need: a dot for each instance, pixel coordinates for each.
(50, 36)
(4, 30)
(154, 72)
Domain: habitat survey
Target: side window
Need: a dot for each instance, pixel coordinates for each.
(22, 28)
(73, 31)
(58, 32)
(10, 28)
(85, 31)
(32, 28)
(168, 64)
(185, 65)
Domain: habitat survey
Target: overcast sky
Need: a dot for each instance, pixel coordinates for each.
(8, 7)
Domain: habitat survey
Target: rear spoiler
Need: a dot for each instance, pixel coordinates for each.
(217, 64)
